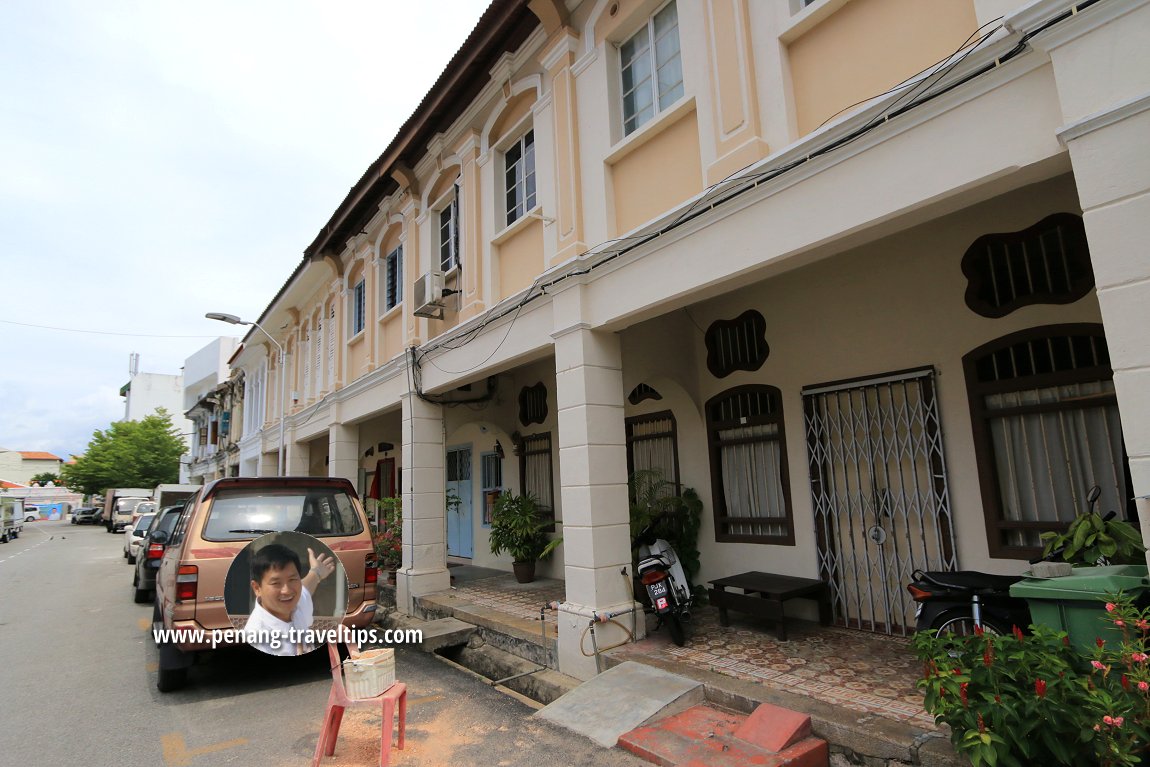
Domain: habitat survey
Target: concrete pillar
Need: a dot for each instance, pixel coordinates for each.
(1102, 73)
(268, 465)
(298, 462)
(424, 568)
(593, 477)
(558, 58)
(343, 452)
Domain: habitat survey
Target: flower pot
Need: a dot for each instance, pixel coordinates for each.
(524, 571)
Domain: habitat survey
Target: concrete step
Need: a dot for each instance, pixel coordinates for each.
(621, 699)
(704, 735)
(445, 632)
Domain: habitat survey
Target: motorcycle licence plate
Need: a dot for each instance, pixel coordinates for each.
(657, 590)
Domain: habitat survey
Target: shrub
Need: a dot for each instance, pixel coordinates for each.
(1020, 699)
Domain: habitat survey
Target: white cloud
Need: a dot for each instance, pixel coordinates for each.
(166, 159)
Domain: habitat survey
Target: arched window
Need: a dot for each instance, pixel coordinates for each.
(1046, 429)
(749, 466)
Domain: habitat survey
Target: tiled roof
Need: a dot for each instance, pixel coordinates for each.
(37, 456)
(8, 485)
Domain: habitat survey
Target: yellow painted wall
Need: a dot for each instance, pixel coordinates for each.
(392, 336)
(658, 175)
(868, 46)
(520, 259)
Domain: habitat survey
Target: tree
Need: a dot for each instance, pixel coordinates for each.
(128, 454)
(44, 477)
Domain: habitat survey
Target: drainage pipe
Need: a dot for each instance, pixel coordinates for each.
(543, 635)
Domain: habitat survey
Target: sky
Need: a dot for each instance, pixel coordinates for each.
(160, 160)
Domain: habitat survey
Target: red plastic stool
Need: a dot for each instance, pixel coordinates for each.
(337, 701)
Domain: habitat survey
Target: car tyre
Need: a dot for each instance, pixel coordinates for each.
(171, 679)
(131, 559)
(140, 596)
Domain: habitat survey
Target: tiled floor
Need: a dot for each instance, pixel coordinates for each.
(502, 593)
(854, 669)
(858, 670)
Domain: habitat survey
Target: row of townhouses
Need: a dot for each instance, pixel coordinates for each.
(870, 276)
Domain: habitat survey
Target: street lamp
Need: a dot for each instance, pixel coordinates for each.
(234, 320)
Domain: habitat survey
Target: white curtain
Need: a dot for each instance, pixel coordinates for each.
(752, 479)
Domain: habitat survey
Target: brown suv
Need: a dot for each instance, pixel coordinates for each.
(218, 523)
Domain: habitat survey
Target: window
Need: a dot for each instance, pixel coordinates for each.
(449, 234)
(535, 474)
(358, 307)
(393, 279)
(651, 445)
(738, 344)
(533, 404)
(1048, 263)
(643, 392)
(749, 466)
(1046, 429)
(491, 468)
(519, 173)
(651, 69)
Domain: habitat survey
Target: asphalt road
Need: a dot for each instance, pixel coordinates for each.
(78, 685)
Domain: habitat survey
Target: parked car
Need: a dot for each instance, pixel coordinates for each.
(123, 511)
(134, 536)
(31, 513)
(86, 515)
(151, 552)
(219, 521)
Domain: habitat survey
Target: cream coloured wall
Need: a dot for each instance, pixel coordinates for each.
(891, 305)
(852, 55)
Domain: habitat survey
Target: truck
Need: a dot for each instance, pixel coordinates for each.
(119, 503)
(173, 495)
(11, 518)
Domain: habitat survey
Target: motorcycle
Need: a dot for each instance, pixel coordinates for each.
(962, 601)
(661, 573)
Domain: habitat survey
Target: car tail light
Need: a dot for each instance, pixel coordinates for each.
(652, 576)
(918, 594)
(155, 551)
(186, 583)
(370, 571)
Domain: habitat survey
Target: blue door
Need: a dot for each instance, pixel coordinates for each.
(459, 491)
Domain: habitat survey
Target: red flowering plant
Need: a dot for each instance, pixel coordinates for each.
(386, 515)
(1022, 699)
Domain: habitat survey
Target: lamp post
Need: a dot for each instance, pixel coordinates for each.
(234, 320)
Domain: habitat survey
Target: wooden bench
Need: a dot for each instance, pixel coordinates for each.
(764, 594)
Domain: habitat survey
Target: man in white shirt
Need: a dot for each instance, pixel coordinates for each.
(283, 598)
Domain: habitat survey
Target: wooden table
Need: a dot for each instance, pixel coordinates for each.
(764, 594)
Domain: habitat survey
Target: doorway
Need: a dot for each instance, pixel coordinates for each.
(878, 483)
(458, 498)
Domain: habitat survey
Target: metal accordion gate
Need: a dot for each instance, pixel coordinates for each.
(878, 484)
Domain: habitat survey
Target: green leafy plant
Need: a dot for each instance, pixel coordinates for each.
(678, 515)
(386, 515)
(1092, 540)
(518, 529)
(1019, 699)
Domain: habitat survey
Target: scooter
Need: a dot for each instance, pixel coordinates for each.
(962, 601)
(662, 574)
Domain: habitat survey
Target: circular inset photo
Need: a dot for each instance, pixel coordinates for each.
(284, 591)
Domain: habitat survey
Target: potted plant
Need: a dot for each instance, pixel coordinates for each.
(516, 527)
(1093, 539)
(387, 534)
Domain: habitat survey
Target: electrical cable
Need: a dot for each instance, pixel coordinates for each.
(98, 332)
(918, 92)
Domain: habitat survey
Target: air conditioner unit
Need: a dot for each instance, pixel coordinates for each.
(429, 296)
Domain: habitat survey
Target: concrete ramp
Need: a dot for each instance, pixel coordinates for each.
(621, 699)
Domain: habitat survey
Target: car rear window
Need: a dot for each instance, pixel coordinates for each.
(167, 520)
(143, 522)
(244, 514)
